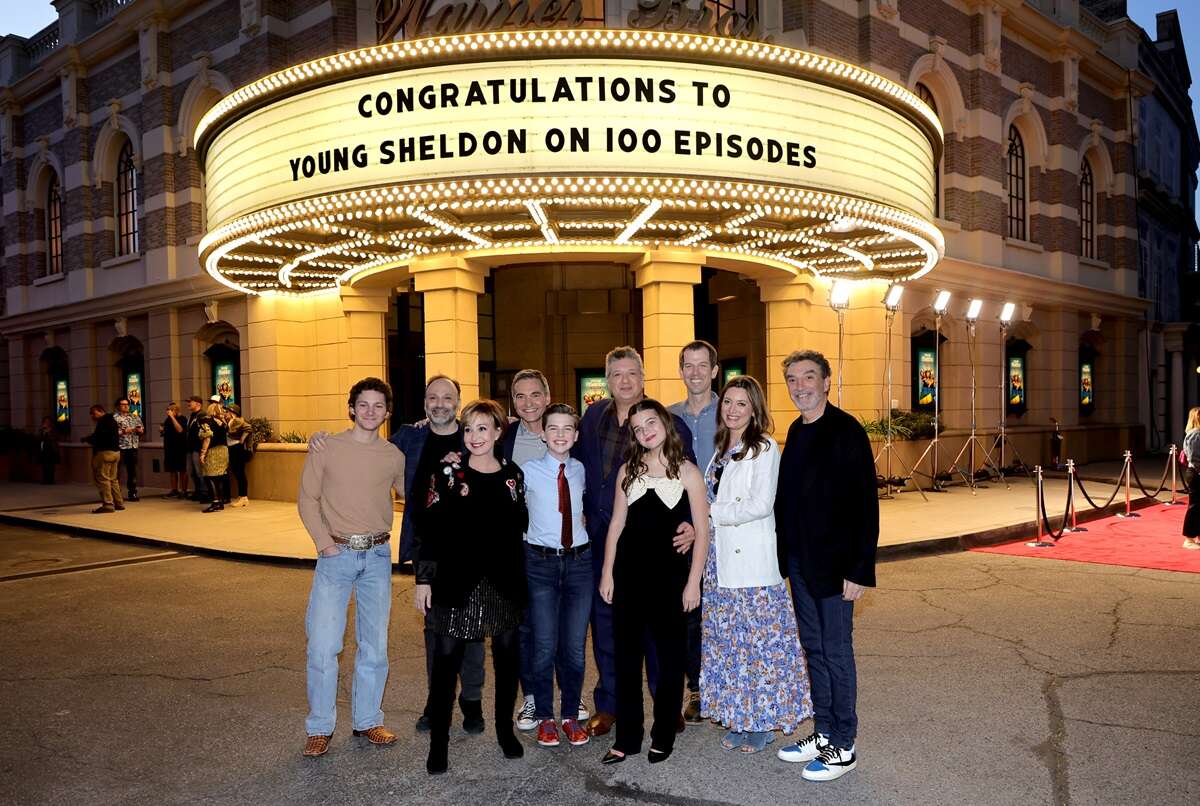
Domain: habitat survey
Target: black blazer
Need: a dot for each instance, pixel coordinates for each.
(463, 539)
(826, 505)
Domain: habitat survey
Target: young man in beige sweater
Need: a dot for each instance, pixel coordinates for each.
(346, 506)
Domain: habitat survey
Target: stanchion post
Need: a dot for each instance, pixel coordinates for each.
(1037, 508)
(1128, 513)
(1172, 458)
(1074, 527)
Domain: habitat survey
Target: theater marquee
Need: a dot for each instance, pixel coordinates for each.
(522, 141)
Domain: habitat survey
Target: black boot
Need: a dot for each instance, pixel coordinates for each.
(509, 743)
(472, 715)
(505, 662)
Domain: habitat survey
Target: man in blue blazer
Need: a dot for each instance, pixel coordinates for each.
(603, 436)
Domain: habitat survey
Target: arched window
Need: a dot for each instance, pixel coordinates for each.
(126, 202)
(925, 95)
(1087, 211)
(1016, 184)
(53, 227)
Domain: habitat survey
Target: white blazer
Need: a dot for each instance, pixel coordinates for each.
(743, 515)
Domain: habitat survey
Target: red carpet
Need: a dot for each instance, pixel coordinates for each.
(1151, 541)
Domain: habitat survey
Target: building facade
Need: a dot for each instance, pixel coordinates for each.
(112, 278)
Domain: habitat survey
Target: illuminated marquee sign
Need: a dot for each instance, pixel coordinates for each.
(564, 116)
(594, 140)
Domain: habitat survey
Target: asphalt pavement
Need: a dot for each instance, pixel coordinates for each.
(134, 674)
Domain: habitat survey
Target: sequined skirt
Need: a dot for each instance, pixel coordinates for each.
(486, 613)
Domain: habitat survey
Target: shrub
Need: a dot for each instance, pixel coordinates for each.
(905, 425)
(260, 431)
(293, 437)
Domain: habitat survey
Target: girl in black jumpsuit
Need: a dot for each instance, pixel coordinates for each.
(650, 585)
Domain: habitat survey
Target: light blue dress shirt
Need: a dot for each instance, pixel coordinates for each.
(704, 429)
(541, 496)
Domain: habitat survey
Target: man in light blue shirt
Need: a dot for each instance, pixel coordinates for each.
(698, 367)
(558, 566)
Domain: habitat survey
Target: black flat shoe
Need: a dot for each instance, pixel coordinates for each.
(655, 756)
(613, 758)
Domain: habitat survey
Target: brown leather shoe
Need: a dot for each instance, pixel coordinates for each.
(692, 712)
(377, 735)
(600, 723)
(316, 746)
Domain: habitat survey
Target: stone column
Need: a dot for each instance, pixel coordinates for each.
(451, 287)
(366, 332)
(668, 318)
(788, 307)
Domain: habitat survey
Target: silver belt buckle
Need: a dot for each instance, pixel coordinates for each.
(360, 542)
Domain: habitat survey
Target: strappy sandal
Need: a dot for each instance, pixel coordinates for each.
(757, 740)
(733, 740)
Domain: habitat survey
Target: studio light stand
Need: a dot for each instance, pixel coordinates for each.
(892, 302)
(839, 300)
(972, 440)
(940, 303)
(1002, 440)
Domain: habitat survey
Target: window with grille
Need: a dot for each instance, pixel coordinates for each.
(54, 227)
(1016, 185)
(126, 202)
(1087, 211)
(925, 95)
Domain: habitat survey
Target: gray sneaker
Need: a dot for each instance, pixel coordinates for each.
(525, 718)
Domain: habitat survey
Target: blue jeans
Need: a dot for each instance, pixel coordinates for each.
(369, 575)
(560, 599)
(827, 634)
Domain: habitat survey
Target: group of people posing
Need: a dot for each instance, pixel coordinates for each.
(205, 446)
(674, 532)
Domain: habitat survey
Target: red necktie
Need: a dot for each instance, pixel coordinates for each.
(564, 505)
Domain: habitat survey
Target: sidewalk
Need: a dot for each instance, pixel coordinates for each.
(272, 529)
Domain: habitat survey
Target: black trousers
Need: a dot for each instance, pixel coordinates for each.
(666, 625)
(693, 650)
(237, 468)
(447, 662)
(129, 460)
(218, 488)
(1191, 519)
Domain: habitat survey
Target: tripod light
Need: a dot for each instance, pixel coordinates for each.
(839, 300)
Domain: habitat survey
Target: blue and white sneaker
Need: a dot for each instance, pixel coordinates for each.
(526, 719)
(804, 750)
(831, 764)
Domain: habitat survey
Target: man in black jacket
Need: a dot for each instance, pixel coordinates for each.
(105, 456)
(827, 520)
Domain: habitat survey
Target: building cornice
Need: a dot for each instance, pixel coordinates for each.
(172, 294)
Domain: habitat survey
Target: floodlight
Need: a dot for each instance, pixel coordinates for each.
(942, 302)
(1006, 313)
(892, 300)
(839, 295)
(973, 309)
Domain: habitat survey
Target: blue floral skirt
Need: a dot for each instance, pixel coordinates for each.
(753, 676)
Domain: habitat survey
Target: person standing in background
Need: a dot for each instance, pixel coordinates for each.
(175, 453)
(1191, 450)
(237, 430)
(129, 430)
(106, 454)
(48, 455)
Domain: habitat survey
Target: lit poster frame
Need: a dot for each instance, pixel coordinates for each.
(925, 377)
(225, 382)
(593, 386)
(1016, 383)
(1087, 387)
(62, 402)
(133, 392)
